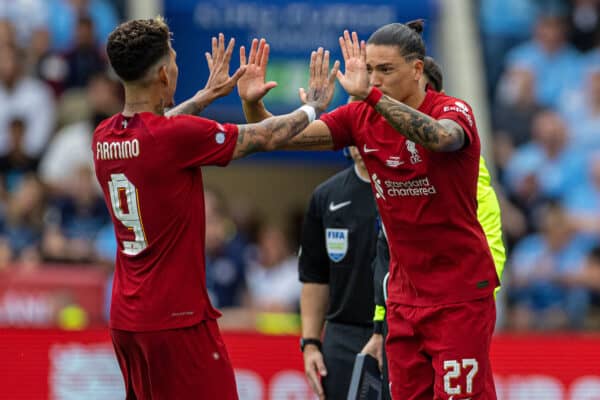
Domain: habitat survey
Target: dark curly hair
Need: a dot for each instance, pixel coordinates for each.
(407, 37)
(135, 46)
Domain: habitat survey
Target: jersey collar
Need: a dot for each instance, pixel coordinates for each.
(359, 176)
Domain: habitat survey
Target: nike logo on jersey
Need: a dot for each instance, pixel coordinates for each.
(367, 150)
(335, 207)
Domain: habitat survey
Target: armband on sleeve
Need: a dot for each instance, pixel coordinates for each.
(379, 315)
(378, 319)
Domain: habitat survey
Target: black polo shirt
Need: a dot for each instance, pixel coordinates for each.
(338, 246)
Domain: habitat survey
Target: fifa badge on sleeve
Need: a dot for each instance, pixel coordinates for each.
(336, 241)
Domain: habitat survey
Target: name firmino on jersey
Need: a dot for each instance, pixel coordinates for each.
(117, 150)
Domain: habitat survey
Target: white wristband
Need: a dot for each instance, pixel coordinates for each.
(310, 112)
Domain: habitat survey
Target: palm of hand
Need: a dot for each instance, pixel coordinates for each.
(356, 78)
(251, 87)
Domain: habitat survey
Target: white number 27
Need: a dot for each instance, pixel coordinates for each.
(125, 205)
(454, 370)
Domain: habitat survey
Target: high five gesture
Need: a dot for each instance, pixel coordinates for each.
(219, 83)
(252, 87)
(355, 80)
(218, 61)
(321, 83)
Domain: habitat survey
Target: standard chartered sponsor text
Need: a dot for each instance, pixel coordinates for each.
(413, 187)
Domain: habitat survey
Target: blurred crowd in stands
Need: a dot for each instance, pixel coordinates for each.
(542, 62)
(55, 87)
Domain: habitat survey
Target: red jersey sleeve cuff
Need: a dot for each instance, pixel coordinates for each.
(374, 96)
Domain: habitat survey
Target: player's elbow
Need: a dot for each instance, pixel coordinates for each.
(449, 137)
(265, 137)
(253, 138)
(448, 141)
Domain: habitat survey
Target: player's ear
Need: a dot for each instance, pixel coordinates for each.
(418, 69)
(163, 75)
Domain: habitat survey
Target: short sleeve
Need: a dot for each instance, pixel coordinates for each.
(461, 113)
(313, 262)
(339, 122)
(194, 141)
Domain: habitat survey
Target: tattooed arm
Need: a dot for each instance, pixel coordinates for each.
(269, 134)
(442, 135)
(291, 131)
(277, 132)
(316, 136)
(195, 104)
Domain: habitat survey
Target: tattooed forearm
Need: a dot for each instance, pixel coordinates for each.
(310, 142)
(270, 134)
(188, 107)
(419, 127)
(194, 105)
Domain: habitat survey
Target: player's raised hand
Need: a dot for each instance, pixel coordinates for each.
(321, 82)
(219, 81)
(355, 79)
(252, 86)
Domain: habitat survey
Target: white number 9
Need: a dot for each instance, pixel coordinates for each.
(124, 193)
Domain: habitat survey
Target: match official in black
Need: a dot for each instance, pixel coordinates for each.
(375, 345)
(337, 248)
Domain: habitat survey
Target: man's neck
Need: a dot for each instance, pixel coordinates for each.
(139, 100)
(361, 172)
(416, 99)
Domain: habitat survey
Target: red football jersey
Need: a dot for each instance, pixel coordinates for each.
(427, 201)
(149, 169)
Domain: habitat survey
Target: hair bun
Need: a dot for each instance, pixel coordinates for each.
(416, 25)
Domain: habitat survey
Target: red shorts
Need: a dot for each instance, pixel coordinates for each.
(441, 352)
(185, 363)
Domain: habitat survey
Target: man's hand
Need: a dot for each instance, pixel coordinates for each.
(314, 367)
(219, 82)
(374, 347)
(321, 83)
(252, 86)
(356, 79)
